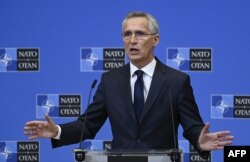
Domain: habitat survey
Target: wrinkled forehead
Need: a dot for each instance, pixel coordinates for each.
(136, 24)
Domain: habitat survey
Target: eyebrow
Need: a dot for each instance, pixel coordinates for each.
(135, 31)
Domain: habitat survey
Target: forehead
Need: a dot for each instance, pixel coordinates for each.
(136, 23)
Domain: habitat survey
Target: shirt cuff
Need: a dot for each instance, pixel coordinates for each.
(57, 137)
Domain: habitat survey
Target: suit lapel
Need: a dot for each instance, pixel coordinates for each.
(156, 85)
(125, 90)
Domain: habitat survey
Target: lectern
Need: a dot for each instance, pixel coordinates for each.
(95, 152)
(132, 156)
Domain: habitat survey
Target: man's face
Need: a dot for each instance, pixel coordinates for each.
(138, 46)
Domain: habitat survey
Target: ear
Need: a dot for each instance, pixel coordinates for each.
(156, 40)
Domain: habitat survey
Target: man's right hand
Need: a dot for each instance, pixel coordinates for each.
(41, 129)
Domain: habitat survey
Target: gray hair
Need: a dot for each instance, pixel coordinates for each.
(152, 22)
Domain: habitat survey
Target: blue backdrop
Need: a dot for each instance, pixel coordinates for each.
(60, 28)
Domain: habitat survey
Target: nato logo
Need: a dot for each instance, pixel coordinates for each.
(19, 151)
(230, 106)
(56, 105)
(19, 59)
(190, 59)
(101, 59)
(189, 152)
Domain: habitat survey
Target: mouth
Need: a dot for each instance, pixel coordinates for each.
(134, 50)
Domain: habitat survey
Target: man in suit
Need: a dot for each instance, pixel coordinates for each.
(145, 101)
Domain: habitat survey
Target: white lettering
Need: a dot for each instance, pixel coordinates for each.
(108, 146)
(235, 153)
(27, 65)
(196, 158)
(200, 65)
(200, 54)
(28, 158)
(114, 53)
(231, 153)
(70, 112)
(243, 153)
(241, 101)
(112, 65)
(27, 147)
(28, 54)
(242, 112)
(71, 100)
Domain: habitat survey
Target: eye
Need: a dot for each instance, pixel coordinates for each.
(140, 34)
(127, 34)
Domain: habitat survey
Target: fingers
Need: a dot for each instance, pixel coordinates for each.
(32, 134)
(220, 145)
(40, 129)
(225, 143)
(216, 140)
(222, 139)
(29, 129)
(33, 123)
(224, 136)
(223, 133)
(33, 129)
(229, 138)
(36, 123)
(35, 133)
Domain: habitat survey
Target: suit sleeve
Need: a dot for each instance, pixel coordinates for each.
(190, 118)
(95, 118)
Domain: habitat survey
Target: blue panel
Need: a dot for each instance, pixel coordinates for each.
(66, 32)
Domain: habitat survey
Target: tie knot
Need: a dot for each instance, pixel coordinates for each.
(139, 73)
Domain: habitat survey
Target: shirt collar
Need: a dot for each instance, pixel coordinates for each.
(148, 69)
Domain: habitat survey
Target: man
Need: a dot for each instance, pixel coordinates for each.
(145, 107)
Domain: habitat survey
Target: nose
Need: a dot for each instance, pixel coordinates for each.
(133, 38)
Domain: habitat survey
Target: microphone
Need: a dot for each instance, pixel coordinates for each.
(175, 154)
(79, 152)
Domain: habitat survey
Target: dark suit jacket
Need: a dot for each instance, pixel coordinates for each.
(155, 129)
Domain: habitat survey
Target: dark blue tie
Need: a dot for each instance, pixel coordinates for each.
(138, 94)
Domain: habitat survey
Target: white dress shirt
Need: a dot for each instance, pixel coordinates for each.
(147, 77)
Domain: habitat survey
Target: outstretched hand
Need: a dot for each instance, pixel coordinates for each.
(41, 129)
(214, 141)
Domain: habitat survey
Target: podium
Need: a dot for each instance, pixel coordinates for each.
(96, 151)
(132, 156)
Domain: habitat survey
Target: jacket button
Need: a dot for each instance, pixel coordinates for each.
(138, 141)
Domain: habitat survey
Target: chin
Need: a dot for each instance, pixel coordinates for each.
(134, 57)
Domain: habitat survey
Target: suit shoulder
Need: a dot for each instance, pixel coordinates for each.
(176, 79)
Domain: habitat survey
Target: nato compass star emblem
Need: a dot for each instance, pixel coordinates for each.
(48, 106)
(179, 59)
(5, 153)
(92, 59)
(5, 60)
(222, 106)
